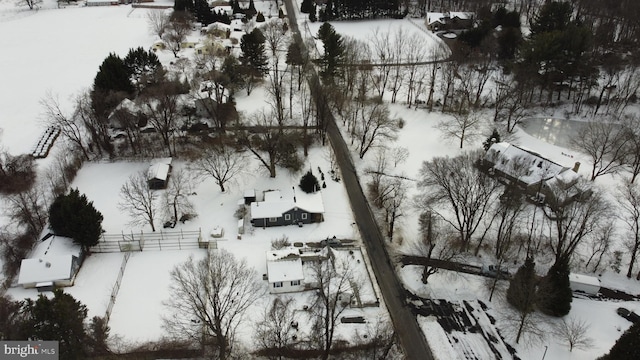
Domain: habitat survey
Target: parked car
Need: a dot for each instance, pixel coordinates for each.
(331, 242)
(495, 271)
(629, 315)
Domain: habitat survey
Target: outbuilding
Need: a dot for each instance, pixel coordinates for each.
(158, 173)
(584, 283)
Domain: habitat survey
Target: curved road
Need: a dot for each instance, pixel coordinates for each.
(405, 323)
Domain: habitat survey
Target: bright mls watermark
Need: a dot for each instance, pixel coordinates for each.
(29, 350)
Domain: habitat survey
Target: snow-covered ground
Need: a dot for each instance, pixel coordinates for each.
(76, 40)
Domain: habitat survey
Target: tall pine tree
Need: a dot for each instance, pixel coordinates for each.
(74, 216)
(60, 318)
(554, 294)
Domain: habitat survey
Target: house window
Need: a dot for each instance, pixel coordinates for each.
(277, 284)
(273, 219)
(304, 216)
(295, 283)
(287, 217)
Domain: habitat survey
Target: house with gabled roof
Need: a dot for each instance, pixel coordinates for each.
(542, 179)
(54, 262)
(284, 271)
(452, 20)
(280, 208)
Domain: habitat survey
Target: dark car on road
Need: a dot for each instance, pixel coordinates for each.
(629, 315)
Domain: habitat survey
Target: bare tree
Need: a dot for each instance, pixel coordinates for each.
(434, 244)
(605, 143)
(467, 196)
(334, 281)
(574, 220)
(381, 44)
(375, 341)
(29, 208)
(628, 199)
(32, 4)
(177, 30)
(463, 127)
(222, 163)
(138, 200)
(271, 145)
(70, 127)
(374, 127)
(209, 300)
(600, 244)
(632, 151)
(436, 53)
(178, 207)
(574, 332)
(158, 21)
(394, 205)
(276, 331)
(162, 108)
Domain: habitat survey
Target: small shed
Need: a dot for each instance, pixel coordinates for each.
(584, 283)
(284, 271)
(158, 173)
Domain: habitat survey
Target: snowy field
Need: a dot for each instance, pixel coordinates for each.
(78, 38)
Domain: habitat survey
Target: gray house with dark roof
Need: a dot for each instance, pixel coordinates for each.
(288, 209)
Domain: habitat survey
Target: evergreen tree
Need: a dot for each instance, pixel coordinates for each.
(494, 138)
(251, 11)
(306, 7)
(312, 14)
(260, 17)
(97, 336)
(333, 51)
(60, 318)
(113, 75)
(626, 348)
(72, 215)
(309, 183)
(554, 294)
(553, 16)
(203, 12)
(254, 58)
(144, 67)
(521, 291)
(235, 6)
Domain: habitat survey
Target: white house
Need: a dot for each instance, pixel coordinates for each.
(284, 271)
(53, 263)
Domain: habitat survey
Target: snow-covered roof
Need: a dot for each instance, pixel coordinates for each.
(224, 8)
(584, 279)
(524, 165)
(461, 15)
(48, 268)
(158, 171)
(434, 16)
(218, 25)
(54, 246)
(276, 203)
(284, 265)
(250, 193)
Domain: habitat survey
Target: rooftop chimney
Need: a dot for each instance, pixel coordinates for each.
(576, 166)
